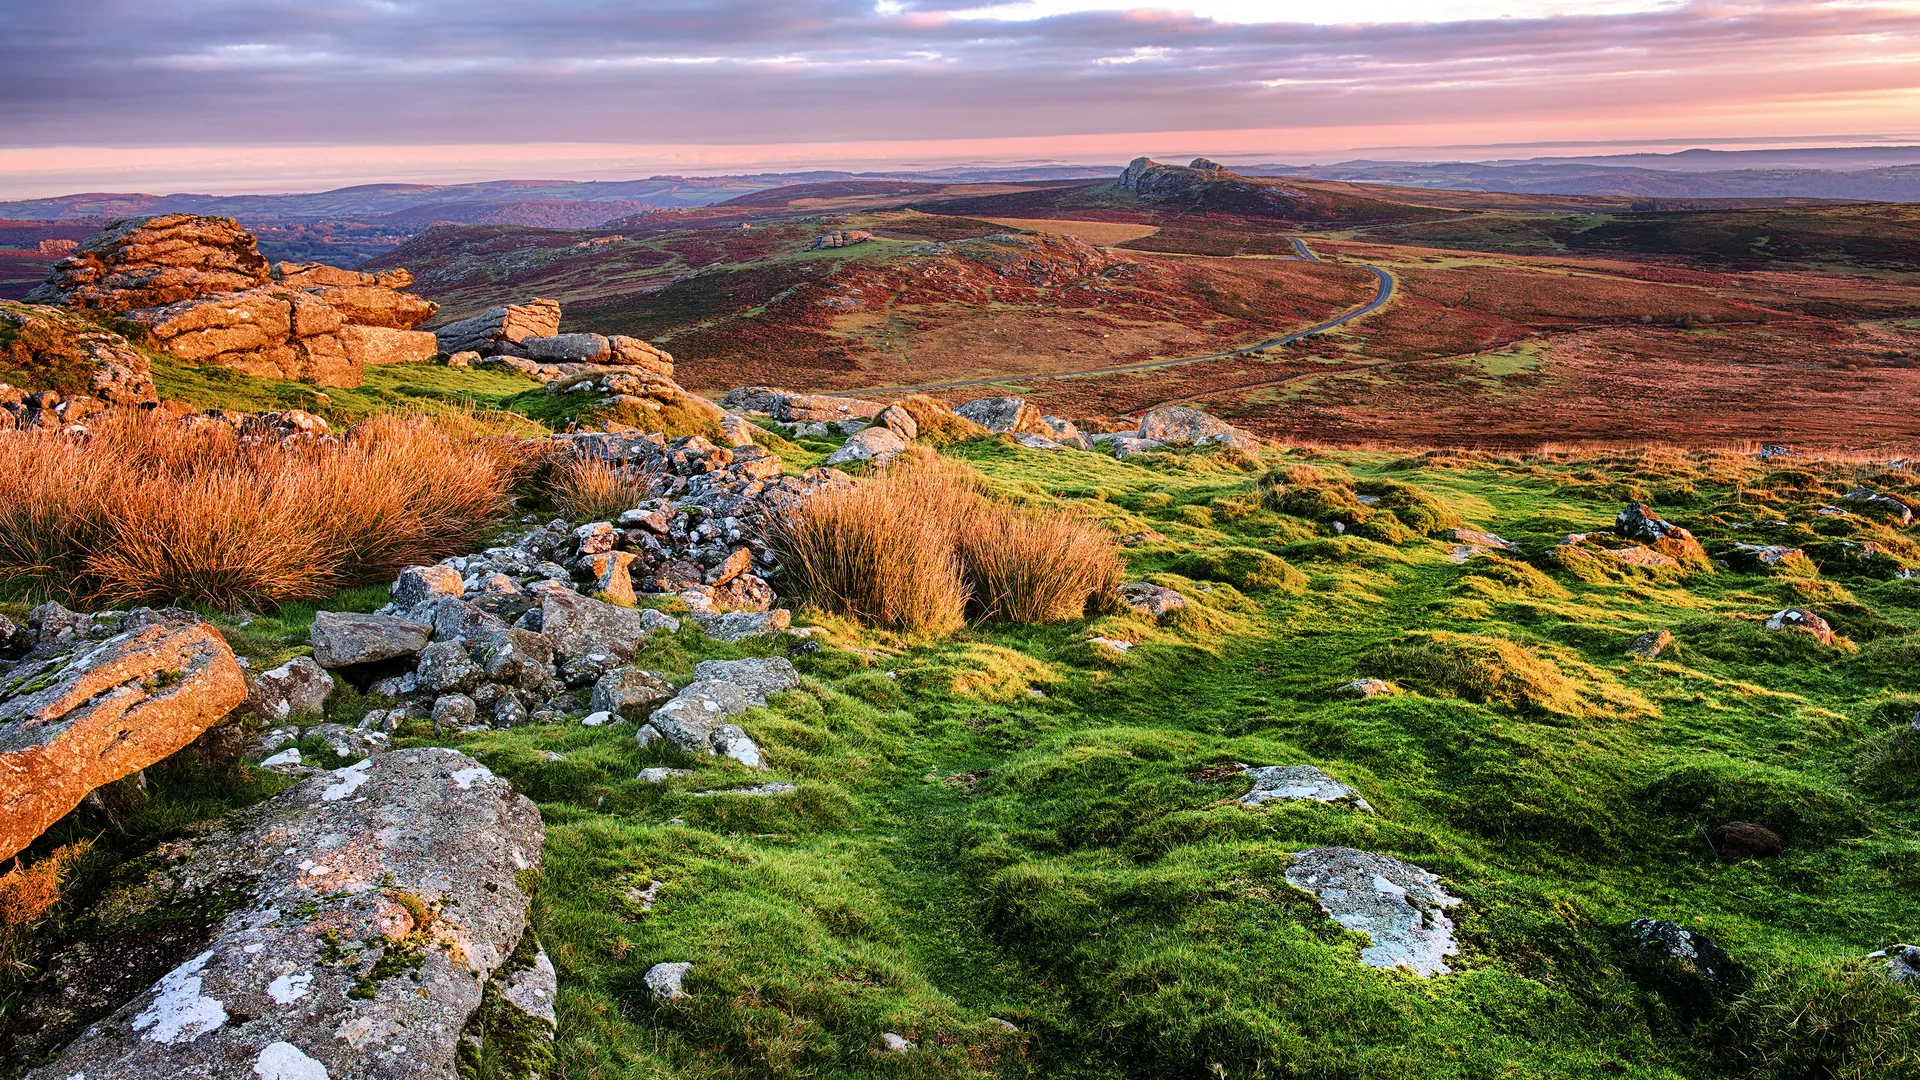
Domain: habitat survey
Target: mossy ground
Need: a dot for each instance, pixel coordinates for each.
(1014, 825)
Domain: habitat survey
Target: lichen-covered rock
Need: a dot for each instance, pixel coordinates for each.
(298, 687)
(1179, 425)
(376, 904)
(760, 677)
(1401, 907)
(1155, 601)
(419, 583)
(501, 329)
(875, 444)
(628, 693)
(1650, 645)
(77, 714)
(1678, 948)
(1296, 783)
(346, 639)
(578, 625)
(69, 353)
(1005, 415)
(733, 626)
(1902, 962)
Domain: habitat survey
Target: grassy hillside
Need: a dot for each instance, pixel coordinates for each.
(1022, 827)
(1872, 236)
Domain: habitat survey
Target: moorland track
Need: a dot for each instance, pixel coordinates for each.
(1385, 293)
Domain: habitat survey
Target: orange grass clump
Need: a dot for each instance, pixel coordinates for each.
(146, 511)
(919, 548)
(590, 487)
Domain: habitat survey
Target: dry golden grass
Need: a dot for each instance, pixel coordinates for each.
(28, 892)
(590, 487)
(1031, 567)
(881, 551)
(920, 547)
(143, 511)
(939, 425)
(1098, 233)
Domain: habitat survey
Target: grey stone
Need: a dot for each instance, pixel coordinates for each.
(758, 677)
(876, 444)
(445, 668)
(757, 791)
(689, 720)
(1181, 426)
(1401, 907)
(899, 421)
(1156, 601)
(629, 693)
(1001, 414)
(1295, 783)
(1650, 645)
(511, 655)
(1683, 948)
(418, 583)
(298, 687)
(569, 348)
(268, 994)
(1903, 962)
(454, 711)
(344, 639)
(665, 980)
(735, 626)
(577, 625)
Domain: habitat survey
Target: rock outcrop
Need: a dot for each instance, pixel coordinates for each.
(793, 407)
(75, 358)
(99, 699)
(839, 238)
(205, 294)
(370, 911)
(499, 331)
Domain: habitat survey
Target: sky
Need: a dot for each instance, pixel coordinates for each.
(278, 95)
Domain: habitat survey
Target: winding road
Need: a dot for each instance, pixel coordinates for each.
(1380, 299)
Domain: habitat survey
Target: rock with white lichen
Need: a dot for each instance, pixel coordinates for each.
(369, 921)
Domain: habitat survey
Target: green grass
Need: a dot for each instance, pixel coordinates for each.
(1012, 825)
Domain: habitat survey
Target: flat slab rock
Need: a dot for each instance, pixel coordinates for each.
(380, 900)
(70, 722)
(1294, 783)
(1401, 907)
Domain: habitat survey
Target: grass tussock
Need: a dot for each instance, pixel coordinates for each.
(27, 894)
(1498, 671)
(1844, 1021)
(919, 548)
(149, 512)
(590, 487)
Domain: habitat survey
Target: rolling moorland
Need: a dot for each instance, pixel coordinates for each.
(998, 840)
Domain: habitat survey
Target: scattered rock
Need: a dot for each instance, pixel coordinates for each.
(628, 693)
(1297, 783)
(346, 639)
(659, 775)
(1885, 505)
(899, 421)
(76, 714)
(501, 329)
(1738, 841)
(1682, 948)
(1401, 907)
(1650, 645)
(1805, 622)
(895, 1043)
(377, 902)
(298, 687)
(665, 980)
(757, 790)
(795, 407)
(1146, 598)
(759, 677)
(421, 583)
(1004, 415)
(1114, 644)
(1478, 539)
(1366, 688)
(1903, 962)
(1762, 557)
(1178, 425)
(735, 626)
(876, 444)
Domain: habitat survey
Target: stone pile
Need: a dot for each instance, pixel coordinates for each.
(205, 294)
(527, 631)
